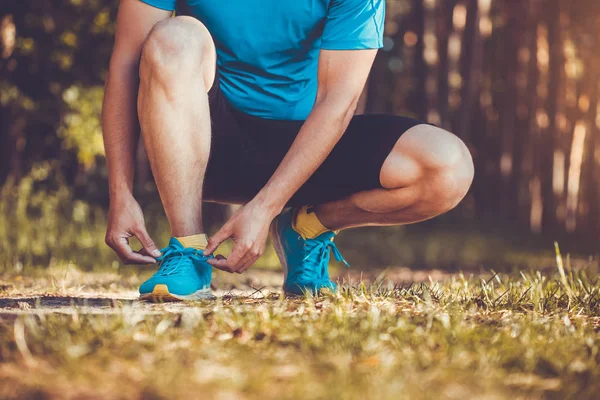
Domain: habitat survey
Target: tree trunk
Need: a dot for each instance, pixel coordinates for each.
(419, 98)
(444, 25)
(509, 108)
(471, 70)
(548, 144)
(523, 152)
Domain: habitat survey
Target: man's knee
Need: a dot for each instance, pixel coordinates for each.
(176, 46)
(436, 160)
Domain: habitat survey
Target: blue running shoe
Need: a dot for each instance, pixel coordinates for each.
(183, 274)
(304, 261)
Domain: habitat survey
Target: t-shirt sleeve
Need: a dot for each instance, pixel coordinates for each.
(354, 25)
(168, 5)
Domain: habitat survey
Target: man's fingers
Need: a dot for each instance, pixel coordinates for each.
(253, 256)
(215, 240)
(230, 263)
(225, 264)
(147, 243)
(221, 264)
(136, 258)
(242, 257)
(249, 259)
(127, 255)
(247, 254)
(248, 264)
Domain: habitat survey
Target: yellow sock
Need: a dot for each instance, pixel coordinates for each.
(197, 242)
(307, 224)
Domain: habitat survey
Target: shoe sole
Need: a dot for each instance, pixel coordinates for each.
(161, 294)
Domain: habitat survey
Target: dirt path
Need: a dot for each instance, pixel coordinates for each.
(72, 291)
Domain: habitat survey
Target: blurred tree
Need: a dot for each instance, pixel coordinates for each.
(53, 62)
(518, 80)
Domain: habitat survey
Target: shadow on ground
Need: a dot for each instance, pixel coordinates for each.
(25, 303)
(70, 291)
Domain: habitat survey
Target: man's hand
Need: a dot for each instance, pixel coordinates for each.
(248, 228)
(126, 220)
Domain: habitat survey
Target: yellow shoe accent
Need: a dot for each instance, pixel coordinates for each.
(307, 224)
(198, 242)
(160, 294)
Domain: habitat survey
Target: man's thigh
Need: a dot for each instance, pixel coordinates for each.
(247, 150)
(355, 163)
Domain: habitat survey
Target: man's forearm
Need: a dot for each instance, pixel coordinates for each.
(318, 136)
(120, 128)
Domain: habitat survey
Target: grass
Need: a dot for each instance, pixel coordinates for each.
(73, 328)
(65, 333)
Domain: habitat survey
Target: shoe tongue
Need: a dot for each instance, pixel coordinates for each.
(175, 243)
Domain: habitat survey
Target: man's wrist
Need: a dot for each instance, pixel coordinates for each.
(121, 195)
(271, 204)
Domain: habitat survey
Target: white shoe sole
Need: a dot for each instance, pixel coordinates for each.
(161, 294)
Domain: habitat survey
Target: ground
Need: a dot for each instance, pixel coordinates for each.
(391, 334)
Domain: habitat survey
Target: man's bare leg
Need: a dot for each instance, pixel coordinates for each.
(427, 173)
(176, 71)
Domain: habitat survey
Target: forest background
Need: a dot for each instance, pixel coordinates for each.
(519, 81)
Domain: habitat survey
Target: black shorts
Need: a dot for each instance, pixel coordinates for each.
(246, 150)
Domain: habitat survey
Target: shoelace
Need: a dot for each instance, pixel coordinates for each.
(175, 259)
(318, 257)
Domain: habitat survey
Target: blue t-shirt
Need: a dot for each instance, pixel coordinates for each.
(268, 50)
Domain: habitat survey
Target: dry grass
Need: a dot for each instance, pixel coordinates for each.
(71, 334)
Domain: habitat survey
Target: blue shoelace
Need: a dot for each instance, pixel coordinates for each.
(317, 258)
(174, 260)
